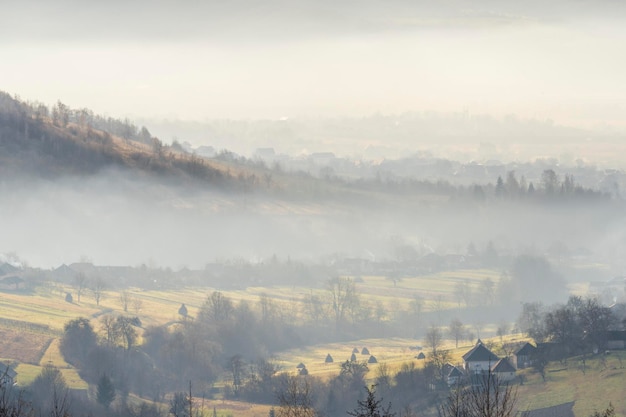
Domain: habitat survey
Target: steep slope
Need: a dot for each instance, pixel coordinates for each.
(36, 142)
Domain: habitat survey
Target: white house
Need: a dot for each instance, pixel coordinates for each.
(479, 359)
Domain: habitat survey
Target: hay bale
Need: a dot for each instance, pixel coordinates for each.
(355, 350)
(303, 371)
(421, 356)
(329, 359)
(300, 365)
(372, 359)
(365, 351)
(353, 358)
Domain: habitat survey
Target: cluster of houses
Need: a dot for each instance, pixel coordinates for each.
(480, 360)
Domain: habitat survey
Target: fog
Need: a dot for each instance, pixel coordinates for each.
(116, 218)
(211, 60)
(368, 81)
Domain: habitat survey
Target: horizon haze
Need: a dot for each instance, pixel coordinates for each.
(271, 60)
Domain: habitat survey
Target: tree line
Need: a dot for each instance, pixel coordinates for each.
(581, 324)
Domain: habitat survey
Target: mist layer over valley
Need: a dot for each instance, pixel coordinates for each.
(140, 202)
(116, 221)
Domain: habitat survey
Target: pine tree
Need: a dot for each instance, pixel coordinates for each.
(500, 188)
(371, 407)
(106, 391)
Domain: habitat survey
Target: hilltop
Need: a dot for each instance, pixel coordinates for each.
(42, 143)
(38, 142)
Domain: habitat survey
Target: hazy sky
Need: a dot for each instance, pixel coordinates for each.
(269, 59)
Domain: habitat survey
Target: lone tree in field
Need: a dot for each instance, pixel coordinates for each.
(80, 281)
(97, 289)
(371, 407)
(433, 339)
(106, 391)
(456, 330)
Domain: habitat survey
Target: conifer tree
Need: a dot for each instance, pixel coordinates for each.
(106, 391)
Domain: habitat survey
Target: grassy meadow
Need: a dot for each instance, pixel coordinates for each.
(603, 381)
(32, 321)
(46, 309)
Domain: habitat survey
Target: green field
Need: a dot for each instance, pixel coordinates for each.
(591, 390)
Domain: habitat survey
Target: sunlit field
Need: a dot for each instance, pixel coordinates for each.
(46, 311)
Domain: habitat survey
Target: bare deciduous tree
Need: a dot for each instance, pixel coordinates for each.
(343, 297)
(438, 361)
(216, 308)
(12, 402)
(456, 330)
(80, 281)
(438, 306)
(433, 339)
(314, 308)
(97, 288)
(236, 366)
(295, 398)
(125, 299)
(126, 331)
(137, 304)
(383, 376)
(503, 329)
(110, 329)
(485, 397)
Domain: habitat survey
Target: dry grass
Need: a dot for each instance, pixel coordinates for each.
(47, 306)
(22, 346)
(566, 382)
(228, 408)
(394, 352)
(28, 372)
(430, 287)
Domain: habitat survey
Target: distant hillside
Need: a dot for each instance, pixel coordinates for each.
(41, 142)
(37, 142)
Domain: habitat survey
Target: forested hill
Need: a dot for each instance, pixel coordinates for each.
(39, 142)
